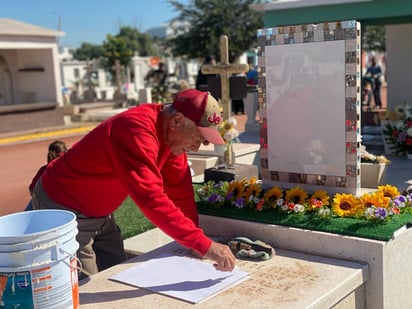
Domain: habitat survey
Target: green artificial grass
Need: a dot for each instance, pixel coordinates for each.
(345, 226)
(131, 220)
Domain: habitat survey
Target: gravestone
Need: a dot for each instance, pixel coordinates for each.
(90, 94)
(118, 95)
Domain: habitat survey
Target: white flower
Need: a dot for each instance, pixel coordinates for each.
(409, 131)
(299, 208)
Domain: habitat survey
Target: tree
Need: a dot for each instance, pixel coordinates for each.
(88, 51)
(136, 41)
(373, 38)
(202, 22)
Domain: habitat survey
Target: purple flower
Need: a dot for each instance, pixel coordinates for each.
(400, 201)
(380, 213)
(213, 198)
(240, 202)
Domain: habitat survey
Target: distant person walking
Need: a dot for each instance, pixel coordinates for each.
(375, 72)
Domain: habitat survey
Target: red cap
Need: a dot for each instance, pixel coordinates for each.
(203, 109)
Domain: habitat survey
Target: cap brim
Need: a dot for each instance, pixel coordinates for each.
(212, 135)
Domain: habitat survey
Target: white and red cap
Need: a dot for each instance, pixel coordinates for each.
(203, 109)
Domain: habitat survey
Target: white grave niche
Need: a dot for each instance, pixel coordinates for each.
(309, 103)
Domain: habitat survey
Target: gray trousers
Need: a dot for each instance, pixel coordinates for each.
(100, 243)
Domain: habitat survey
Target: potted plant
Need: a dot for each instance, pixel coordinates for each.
(373, 169)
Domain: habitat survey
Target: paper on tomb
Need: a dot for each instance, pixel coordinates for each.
(185, 278)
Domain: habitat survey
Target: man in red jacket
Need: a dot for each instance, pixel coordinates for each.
(141, 153)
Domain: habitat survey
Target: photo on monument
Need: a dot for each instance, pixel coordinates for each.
(306, 108)
(309, 106)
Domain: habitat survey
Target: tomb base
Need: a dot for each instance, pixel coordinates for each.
(388, 262)
(237, 172)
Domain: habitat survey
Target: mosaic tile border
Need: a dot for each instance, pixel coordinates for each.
(349, 31)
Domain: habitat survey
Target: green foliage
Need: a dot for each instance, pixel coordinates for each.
(117, 48)
(88, 51)
(131, 220)
(136, 41)
(121, 46)
(373, 38)
(202, 22)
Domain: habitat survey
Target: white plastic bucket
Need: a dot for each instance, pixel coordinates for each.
(38, 266)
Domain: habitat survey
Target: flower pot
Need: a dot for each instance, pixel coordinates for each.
(373, 174)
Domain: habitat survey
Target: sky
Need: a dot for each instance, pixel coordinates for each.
(90, 20)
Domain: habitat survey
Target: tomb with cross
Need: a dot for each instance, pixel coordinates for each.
(118, 95)
(225, 70)
(90, 93)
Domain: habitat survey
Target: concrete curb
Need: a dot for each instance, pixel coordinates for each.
(46, 134)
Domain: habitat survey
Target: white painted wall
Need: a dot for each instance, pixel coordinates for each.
(399, 64)
(42, 83)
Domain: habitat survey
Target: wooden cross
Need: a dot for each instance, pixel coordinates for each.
(225, 70)
(89, 70)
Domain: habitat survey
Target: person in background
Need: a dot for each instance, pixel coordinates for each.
(252, 75)
(201, 79)
(157, 79)
(56, 149)
(139, 153)
(375, 72)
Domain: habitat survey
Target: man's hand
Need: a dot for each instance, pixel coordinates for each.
(222, 255)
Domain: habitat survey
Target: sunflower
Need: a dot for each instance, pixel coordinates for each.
(321, 196)
(376, 199)
(296, 195)
(252, 190)
(346, 205)
(389, 191)
(253, 180)
(272, 196)
(237, 187)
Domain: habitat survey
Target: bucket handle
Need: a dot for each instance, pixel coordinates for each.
(79, 263)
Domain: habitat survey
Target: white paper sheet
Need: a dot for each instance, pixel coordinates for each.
(190, 279)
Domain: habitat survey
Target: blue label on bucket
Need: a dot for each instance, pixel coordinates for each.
(38, 268)
(15, 290)
(51, 286)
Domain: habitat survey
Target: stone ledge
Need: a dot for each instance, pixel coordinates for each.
(289, 280)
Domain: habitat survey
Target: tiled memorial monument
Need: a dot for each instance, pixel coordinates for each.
(309, 82)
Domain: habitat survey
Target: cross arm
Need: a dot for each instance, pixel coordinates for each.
(224, 68)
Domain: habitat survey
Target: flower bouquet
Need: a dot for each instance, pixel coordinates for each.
(230, 134)
(399, 136)
(378, 206)
(395, 125)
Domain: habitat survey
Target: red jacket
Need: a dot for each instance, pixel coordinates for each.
(127, 155)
